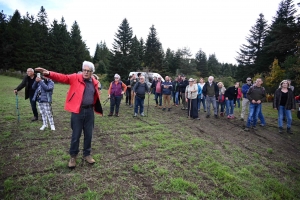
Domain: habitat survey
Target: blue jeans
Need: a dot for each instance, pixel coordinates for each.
(229, 107)
(261, 117)
(115, 101)
(211, 100)
(238, 101)
(84, 120)
(176, 98)
(160, 98)
(288, 114)
(33, 107)
(138, 102)
(203, 103)
(253, 114)
(222, 104)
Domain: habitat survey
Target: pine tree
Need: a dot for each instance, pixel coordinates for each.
(120, 61)
(135, 55)
(249, 52)
(3, 40)
(154, 53)
(101, 58)
(201, 61)
(81, 52)
(213, 65)
(280, 40)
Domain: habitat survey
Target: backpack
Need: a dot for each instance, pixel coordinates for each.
(142, 96)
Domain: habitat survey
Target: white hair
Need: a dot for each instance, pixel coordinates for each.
(30, 69)
(89, 64)
(117, 76)
(142, 77)
(211, 77)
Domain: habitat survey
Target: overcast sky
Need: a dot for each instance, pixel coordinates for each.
(215, 26)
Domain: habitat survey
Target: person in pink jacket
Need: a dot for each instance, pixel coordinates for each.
(82, 100)
(239, 96)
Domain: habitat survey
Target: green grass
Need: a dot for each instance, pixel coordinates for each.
(162, 156)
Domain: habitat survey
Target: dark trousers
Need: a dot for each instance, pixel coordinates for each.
(115, 102)
(138, 102)
(128, 97)
(82, 121)
(158, 95)
(33, 107)
(193, 108)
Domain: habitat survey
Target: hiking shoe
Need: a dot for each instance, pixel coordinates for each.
(135, 115)
(288, 130)
(72, 162)
(52, 128)
(280, 129)
(34, 119)
(207, 116)
(242, 119)
(43, 127)
(262, 125)
(182, 108)
(254, 128)
(246, 129)
(110, 114)
(228, 117)
(89, 159)
(216, 116)
(130, 106)
(232, 117)
(169, 109)
(142, 114)
(197, 118)
(222, 114)
(204, 110)
(117, 115)
(186, 108)
(156, 104)
(163, 109)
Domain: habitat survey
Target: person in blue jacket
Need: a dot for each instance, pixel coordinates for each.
(43, 95)
(245, 102)
(167, 87)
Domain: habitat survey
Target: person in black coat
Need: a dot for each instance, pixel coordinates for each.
(211, 93)
(230, 99)
(27, 82)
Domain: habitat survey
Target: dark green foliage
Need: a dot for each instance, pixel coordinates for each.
(101, 58)
(213, 65)
(154, 52)
(201, 60)
(120, 61)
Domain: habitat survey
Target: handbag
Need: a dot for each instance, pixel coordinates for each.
(221, 98)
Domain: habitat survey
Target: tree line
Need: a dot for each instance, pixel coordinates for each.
(28, 41)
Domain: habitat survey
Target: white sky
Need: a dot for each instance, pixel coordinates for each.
(215, 26)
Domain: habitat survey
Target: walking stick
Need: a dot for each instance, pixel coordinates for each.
(148, 104)
(190, 106)
(17, 105)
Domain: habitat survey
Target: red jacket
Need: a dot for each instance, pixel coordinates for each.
(75, 93)
(239, 93)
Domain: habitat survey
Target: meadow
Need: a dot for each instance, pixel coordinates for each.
(162, 156)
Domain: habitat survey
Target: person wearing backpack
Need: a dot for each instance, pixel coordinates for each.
(140, 89)
(115, 94)
(256, 95)
(221, 98)
(230, 99)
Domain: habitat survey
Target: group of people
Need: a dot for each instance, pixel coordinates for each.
(83, 100)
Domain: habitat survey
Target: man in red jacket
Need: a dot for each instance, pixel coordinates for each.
(82, 100)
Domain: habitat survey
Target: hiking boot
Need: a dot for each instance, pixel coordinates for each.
(222, 114)
(43, 127)
(288, 130)
(156, 104)
(246, 129)
(34, 119)
(242, 119)
(135, 115)
(117, 115)
(207, 116)
(89, 159)
(110, 114)
(197, 118)
(280, 129)
(169, 109)
(163, 109)
(216, 116)
(262, 125)
(142, 114)
(52, 128)
(72, 162)
(228, 117)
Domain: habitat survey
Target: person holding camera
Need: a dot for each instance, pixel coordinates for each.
(43, 95)
(29, 91)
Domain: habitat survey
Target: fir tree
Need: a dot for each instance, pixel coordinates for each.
(201, 60)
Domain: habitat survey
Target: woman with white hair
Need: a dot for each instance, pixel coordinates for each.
(82, 100)
(191, 93)
(221, 99)
(115, 92)
(284, 102)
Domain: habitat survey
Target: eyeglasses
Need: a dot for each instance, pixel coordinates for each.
(87, 71)
(249, 80)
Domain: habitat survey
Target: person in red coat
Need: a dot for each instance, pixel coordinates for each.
(82, 100)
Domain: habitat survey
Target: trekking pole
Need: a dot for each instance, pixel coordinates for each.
(105, 101)
(17, 105)
(148, 104)
(190, 106)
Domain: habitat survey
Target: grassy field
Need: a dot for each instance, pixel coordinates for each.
(162, 156)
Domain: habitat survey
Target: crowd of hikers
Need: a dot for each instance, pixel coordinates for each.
(83, 100)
